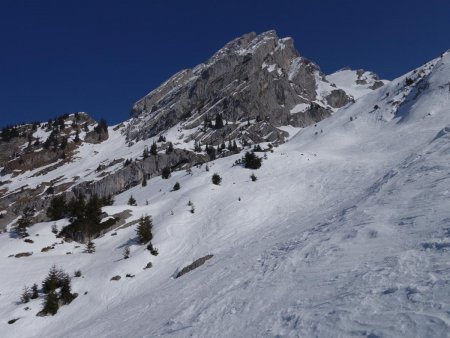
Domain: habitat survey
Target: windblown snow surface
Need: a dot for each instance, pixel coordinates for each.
(346, 233)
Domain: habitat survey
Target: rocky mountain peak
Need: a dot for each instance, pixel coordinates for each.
(257, 83)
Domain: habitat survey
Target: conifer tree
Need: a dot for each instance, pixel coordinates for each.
(145, 153)
(57, 208)
(154, 149)
(216, 179)
(51, 304)
(66, 295)
(144, 229)
(165, 174)
(23, 223)
(132, 201)
(176, 186)
(144, 181)
(126, 252)
(219, 121)
(34, 291)
(169, 148)
(90, 246)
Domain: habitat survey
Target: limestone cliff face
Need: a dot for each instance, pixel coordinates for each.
(255, 80)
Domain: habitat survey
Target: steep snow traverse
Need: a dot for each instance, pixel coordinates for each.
(250, 196)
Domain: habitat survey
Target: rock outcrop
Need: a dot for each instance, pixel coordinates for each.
(256, 82)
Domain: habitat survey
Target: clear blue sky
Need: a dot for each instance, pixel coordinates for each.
(101, 56)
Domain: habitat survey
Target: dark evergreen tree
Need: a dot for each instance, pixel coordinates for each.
(90, 246)
(144, 229)
(77, 137)
(197, 147)
(92, 215)
(76, 207)
(53, 280)
(154, 149)
(108, 200)
(57, 208)
(34, 291)
(145, 153)
(144, 181)
(132, 201)
(126, 252)
(169, 148)
(216, 179)
(219, 121)
(66, 295)
(152, 249)
(63, 144)
(165, 174)
(51, 304)
(253, 177)
(176, 186)
(162, 138)
(251, 161)
(235, 147)
(23, 223)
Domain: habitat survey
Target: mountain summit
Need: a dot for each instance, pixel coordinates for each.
(257, 78)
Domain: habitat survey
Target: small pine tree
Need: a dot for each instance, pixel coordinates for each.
(192, 209)
(66, 295)
(251, 161)
(26, 295)
(144, 181)
(90, 247)
(23, 223)
(51, 304)
(176, 186)
(207, 168)
(145, 153)
(77, 137)
(152, 249)
(165, 174)
(34, 291)
(54, 229)
(57, 208)
(21, 228)
(253, 177)
(132, 201)
(154, 149)
(216, 179)
(144, 229)
(126, 252)
(52, 281)
(219, 122)
(169, 148)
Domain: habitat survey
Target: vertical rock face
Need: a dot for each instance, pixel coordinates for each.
(256, 78)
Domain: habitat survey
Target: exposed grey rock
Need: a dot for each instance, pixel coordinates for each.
(256, 78)
(197, 263)
(338, 98)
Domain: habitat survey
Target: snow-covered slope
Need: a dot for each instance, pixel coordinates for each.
(345, 233)
(357, 83)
